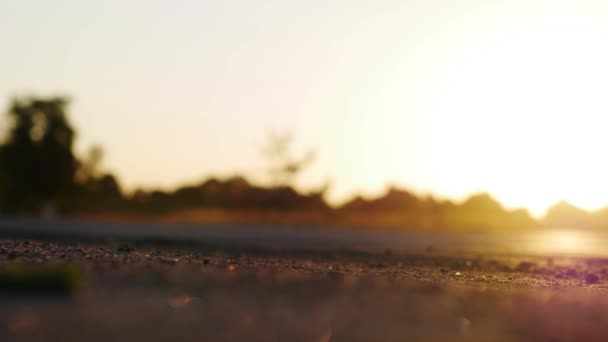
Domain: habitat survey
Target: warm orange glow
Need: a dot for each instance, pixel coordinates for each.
(566, 241)
(573, 242)
(442, 97)
(519, 112)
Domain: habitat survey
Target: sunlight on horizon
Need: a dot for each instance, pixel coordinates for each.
(439, 97)
(545, 85)
(518, 111)
(561, 241)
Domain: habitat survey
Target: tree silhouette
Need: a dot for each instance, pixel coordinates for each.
(283, 166)
(37, 163)
(94, 189)
(89, 167)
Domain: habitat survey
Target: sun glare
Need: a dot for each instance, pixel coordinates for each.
(521, 114)
(565, 242)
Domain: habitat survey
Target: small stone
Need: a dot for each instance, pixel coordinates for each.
(525, 266)
(456, 265)
(125, 247)
(592, 279)
(170, 261)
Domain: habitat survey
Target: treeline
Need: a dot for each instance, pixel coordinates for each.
(240, 201)
(402, 209)
(232, 193)
(41, 175)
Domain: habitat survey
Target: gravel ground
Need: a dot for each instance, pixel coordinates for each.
(74, 291)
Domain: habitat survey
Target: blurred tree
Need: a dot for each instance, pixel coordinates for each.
(94, 189)
(283, 166)
(90, 167)
(36, 160)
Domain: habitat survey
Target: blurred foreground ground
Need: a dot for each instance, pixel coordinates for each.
(163, 292)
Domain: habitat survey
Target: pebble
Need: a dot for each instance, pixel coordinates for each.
(525, 266)
(592, 279)
(170, 261)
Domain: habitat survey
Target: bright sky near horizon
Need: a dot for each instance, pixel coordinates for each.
(440, 96)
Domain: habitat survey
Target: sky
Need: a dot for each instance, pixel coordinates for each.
(442, 97)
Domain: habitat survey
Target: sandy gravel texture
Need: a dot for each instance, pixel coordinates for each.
(167, 293)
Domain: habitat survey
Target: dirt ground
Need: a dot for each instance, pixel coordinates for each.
(108, 291)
